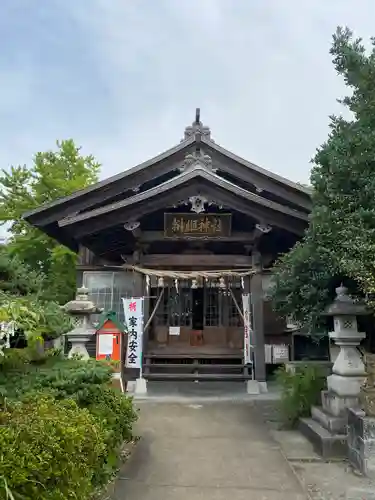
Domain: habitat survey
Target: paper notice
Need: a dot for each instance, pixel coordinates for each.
(174, 330)
(105, 344)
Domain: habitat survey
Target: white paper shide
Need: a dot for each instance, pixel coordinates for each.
(133, 309)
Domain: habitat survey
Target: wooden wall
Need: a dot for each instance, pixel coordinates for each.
(215, 336)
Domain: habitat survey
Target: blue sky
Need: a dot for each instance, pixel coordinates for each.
(123, 77)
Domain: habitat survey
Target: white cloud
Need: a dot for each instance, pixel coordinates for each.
(259, 70)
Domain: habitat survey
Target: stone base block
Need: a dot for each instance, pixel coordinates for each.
(263, 387)
(334, 425)
(345, 386)
(252, 387)
(130, 386)
(140, 387)
(361, 442)
(337, 405)
(327, 445)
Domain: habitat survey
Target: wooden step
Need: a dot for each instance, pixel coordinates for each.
(192, 355)
(195, 366)
(197, 376)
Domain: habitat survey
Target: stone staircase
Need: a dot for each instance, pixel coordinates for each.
(326, 429)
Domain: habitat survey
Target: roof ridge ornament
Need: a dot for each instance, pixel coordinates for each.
(197, 159)
(197, 129)
(198, 203)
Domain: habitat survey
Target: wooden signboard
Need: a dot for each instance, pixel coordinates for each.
(197, 225)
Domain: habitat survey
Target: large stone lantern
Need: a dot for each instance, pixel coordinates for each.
(81, 309)
(327, 429)
(348, 371)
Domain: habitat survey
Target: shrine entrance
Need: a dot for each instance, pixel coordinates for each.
(187, 308)
(197, 330)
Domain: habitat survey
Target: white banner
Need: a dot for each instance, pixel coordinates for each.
(133, 309)
(247, 328)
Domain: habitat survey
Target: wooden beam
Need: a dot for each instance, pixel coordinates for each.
(193, 261)
(264, 215)
(111, 187)
(264, 184)
(153, 236)
(120, 216)
(197, 177)
(252, 171)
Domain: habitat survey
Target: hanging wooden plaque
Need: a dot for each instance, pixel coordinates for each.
(191, 225)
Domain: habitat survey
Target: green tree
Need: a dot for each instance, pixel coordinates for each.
(52, 175)
(339, 244)
(25, 301)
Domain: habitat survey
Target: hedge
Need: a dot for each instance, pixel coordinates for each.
(61, 428)
(49, 449)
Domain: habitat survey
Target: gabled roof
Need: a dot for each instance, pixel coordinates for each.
(104, 184)
(196, 135)
(197, 171)
(256, 168)
(110, 316)
(197, 178)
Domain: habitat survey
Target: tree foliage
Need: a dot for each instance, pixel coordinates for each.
(339, 244)
(25, 300)
(52, 175)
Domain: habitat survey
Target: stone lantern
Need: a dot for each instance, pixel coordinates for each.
(81, 308)
(327, 429)
(348, 371)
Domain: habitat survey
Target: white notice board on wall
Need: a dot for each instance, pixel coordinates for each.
(105, 344)
(174, 330)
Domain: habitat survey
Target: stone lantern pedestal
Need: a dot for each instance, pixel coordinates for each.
(81, 308)
(327, 429)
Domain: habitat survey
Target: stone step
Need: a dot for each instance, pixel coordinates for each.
(327, 445)
(334, 425)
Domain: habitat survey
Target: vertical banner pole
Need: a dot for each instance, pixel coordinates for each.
(133, 309)
(141, 339)
(247, 328)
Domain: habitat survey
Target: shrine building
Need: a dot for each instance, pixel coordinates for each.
(191, 231)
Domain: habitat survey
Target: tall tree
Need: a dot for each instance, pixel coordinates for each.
(53, 174)
(340, 241)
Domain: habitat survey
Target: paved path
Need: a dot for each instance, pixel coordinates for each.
(213, 451)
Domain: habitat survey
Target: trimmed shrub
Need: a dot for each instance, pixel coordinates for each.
(300, 391)
(116, 414)
(49, 449)
(86, 386)
(63, 376)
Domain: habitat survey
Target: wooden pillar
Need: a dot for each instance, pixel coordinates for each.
(256, 290)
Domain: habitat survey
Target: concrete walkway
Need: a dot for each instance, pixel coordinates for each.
(208, 451)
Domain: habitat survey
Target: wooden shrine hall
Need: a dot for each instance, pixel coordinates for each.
(190, 230)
